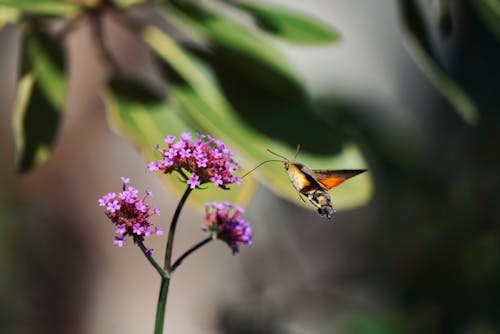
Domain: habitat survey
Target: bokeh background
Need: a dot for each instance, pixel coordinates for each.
(421, 255)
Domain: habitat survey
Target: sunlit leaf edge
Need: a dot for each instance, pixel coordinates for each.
(289, 25)
(24, 89)
(56, 8)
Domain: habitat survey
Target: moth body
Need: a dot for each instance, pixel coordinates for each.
(305, 182)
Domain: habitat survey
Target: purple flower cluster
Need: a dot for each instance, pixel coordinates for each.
(130, 214)
(205, 159)
(222, 219)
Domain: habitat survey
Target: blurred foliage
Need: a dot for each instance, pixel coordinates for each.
(224, 78)
(288, 25)
(419, 44)
(40, 99)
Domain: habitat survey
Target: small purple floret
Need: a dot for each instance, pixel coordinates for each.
(158, 231)
(186, 136)
(119, 240)
(193, 181)
(169, 140)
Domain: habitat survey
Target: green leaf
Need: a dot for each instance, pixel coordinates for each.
(134, 90)
(147, 124)
(40, 100)
(268, 112)
(43, 7)
(204, 106)
(185, 66)
(418, 45)
(489, 10)
(129, 3)
(288, 25)
(450, 90)
(239, 47)
(414, 24)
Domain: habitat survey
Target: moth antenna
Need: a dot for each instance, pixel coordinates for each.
(278, 155)
(260, 165)
(296, 152)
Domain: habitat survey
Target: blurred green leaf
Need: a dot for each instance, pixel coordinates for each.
(450, 90)
(239, 46)
(128, 3)
(415, 25)
(46, 57)
(286, 117)
(134, 90)
(489, 10)
(262, 98)
(480, 256)
(263, 109)
(185, 65)
(288, 25)
(147, 124)
(40, 100)
(379, 323)
(57, 8)
(204, 106)
(418, 45)
(8, 15)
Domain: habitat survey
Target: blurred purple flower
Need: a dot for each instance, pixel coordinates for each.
(222, 220)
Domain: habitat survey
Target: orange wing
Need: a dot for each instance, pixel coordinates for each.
(331, 178)
(329, 183)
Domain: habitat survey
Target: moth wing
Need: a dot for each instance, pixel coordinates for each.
(331, 178)
(308, 173)
(309, 177)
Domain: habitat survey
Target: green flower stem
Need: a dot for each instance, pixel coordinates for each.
(165, 277)
(162, 297)
(171, 233)
(162, 303)
(188, 252)
(151, 260)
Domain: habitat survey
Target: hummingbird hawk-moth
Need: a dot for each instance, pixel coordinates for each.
(315, 183)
